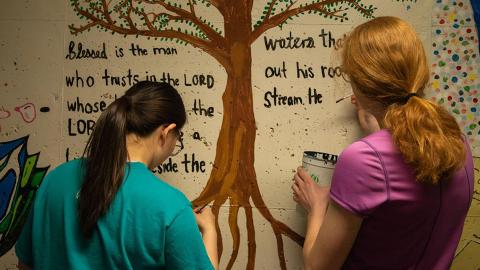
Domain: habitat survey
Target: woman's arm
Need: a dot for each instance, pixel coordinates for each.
(331, 230)
(332, 240)
(206, 223)
(210, 241)
(188, 248)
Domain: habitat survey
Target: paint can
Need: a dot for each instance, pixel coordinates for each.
(319, 166)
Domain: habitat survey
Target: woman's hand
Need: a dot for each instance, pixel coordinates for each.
(206, 224)
(309, 194)
(367, 121)
(205, 219)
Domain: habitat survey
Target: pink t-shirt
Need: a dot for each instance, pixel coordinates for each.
(407, 225)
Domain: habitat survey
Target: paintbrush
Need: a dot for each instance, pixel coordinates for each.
(345, 97)
(199, 210)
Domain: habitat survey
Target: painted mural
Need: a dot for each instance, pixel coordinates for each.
(456, 86)
(255, 96)
(456, 62)
(20, 179)
(233, 177)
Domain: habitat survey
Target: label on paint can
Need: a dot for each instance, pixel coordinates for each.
(320, 166)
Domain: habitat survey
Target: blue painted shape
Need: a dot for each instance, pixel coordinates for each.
(476, 16)
(7, 147)
(7, 184)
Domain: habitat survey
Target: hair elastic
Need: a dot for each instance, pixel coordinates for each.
(406, 98)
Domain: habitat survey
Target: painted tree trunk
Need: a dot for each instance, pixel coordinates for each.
(233, 174)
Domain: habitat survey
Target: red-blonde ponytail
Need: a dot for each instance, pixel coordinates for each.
(386, 63)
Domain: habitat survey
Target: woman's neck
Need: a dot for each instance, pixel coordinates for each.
(139, 150)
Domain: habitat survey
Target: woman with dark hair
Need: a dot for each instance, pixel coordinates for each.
(400, 195)
(108, 210)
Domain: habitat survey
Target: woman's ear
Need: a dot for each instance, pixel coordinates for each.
(163, 131)
(169, 128)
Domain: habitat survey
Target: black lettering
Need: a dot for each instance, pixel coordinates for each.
(327, 40)
(314, 97)
(79, 52)
(119, 52)
(128, 79)
(86, 107)
(193, 165)
(199, 109)
(168, 166)
(305, 72)
(71, 107)
(276, 71)
(280, 100)
(288, 42)
(70, 132)
(80, 127)
(167, 78)
(165, 51)
(79, 81)
(136, 50)
(331, 71)
(103, 105)
(199, 80)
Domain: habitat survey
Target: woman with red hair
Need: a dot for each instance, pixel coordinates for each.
(400, 195)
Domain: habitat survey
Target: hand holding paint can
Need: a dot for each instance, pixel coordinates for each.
(319, 166)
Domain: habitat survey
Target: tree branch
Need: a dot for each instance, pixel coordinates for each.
(291, 5)
(234, 231)
(190, 16)
(289, 12)
(219, 5)
(215, 3)
(277, 225)
(192, 8)
(129, 16)
(82, 28)
(270, 8)
(170, 16)
(251, 242)
(105, 12)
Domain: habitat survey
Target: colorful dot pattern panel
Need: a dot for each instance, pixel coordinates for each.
(456, 65)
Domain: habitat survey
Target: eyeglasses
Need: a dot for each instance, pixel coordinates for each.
(179, 144)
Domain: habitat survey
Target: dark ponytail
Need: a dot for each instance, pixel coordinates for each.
(143, 108)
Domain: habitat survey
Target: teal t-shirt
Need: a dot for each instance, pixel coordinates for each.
(149, 225)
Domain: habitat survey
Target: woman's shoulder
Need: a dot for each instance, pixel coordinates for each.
(368, 150)
(66, 176)
(67, 166)
(378, 138)
(367, 144)
(67, 170)
(376, 143)
(150, 188)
